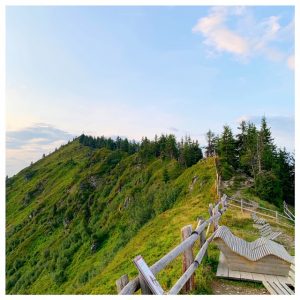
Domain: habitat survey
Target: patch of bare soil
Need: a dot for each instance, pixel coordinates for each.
(229, 287)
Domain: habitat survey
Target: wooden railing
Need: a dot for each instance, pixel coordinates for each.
(127, 288)
(288, 213)
(247, 206)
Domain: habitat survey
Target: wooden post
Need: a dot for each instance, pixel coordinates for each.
(202, 235)
(276, 214)
(216, 221)
(121, 282)
(144, 287)
(210, 211)
(217, 184)
(187, 259)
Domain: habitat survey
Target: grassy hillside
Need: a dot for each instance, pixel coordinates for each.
(77, 218)
(71, 214)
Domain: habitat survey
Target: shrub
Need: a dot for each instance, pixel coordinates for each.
(267, 187)
(226, 171)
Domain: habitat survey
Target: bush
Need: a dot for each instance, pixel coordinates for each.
(168, 198)
(226, 171)
(267, 187)
(98, 240)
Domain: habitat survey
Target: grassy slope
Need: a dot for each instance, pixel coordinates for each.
(40, 246)
(43, 242)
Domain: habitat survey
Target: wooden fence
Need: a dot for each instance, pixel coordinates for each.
(247, 205)
(288, 213)
(127, 288)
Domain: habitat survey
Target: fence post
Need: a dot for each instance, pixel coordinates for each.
(187, 259)
(121, 282)
(211, 212)
(276, 214)
(216, 221)
(202, 235)
(242, 205)
(144, 287)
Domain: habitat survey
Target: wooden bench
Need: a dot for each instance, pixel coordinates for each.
(258, 220)
(261, 256)
(267, 232)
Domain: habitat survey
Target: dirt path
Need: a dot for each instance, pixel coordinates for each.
(230, 287)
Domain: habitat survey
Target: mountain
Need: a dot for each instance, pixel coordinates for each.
(76, 218)
(69, 215)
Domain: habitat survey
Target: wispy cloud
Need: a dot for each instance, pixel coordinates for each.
(173, 129)
(217, 34)
(29, 144)
(235, 30)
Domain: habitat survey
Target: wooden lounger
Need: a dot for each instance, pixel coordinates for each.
(261, 256)
(258, 220)
(267, 232)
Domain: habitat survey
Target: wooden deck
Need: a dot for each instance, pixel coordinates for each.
(224, 272)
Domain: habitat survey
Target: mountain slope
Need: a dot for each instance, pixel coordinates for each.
(73, 217)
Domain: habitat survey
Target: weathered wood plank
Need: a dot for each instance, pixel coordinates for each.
(246, 276)
(121, 282)
(222, 270)
(286, 290)
(234, 274)
(275, 287)
(283, 279)
(144, 287)
(270, 289)
(258, 277)
(281, 288)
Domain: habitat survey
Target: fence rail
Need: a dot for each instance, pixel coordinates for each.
(273, 214)
(287, 211)
(186, 281)
(215, 211)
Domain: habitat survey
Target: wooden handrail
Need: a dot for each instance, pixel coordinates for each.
(262, 214)
(215, 214)
(134, 285)
(192, 268)
(262, 208)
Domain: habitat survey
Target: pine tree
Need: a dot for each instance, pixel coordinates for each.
(211, 144)
(227, 147)
(248, 157)
(265, 146)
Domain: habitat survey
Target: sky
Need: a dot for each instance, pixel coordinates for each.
(141, 71)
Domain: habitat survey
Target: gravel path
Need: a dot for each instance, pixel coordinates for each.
(229, 287)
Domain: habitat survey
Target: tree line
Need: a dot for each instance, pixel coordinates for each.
(253, 152)
(187, 152)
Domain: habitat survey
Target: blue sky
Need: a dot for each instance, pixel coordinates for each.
(136, 71)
